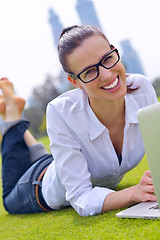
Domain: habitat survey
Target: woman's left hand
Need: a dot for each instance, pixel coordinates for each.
(145, 188)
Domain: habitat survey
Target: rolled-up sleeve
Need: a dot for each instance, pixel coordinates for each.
(91, 202)
(71, 167)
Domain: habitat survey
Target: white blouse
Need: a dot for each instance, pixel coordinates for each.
(86, 167)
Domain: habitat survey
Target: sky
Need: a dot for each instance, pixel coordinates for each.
(27, 50)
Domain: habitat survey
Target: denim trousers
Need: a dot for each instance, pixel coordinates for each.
(20, 176)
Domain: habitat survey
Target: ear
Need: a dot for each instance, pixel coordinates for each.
(74, 82)
(112, 47)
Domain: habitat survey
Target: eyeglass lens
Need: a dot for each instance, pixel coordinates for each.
(108, 62)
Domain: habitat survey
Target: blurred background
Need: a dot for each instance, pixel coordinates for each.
(29, 32)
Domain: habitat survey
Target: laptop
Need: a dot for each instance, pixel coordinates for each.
(149, 122)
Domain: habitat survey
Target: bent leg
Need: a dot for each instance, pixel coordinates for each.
(18, 144)
(23, 199)
(15, 156)
(19, 150)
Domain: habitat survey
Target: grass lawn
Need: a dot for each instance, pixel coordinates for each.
(67, 224)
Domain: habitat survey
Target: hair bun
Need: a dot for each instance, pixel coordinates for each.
(65, 30)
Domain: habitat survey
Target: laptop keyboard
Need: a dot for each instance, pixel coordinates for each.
(154, 207)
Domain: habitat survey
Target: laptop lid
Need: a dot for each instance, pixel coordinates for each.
(149, 122)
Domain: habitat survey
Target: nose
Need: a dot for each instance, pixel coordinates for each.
(104, 73)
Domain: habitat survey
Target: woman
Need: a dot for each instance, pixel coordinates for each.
(93, 130)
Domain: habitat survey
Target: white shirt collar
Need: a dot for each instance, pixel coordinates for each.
(131, 108)
(96, 128)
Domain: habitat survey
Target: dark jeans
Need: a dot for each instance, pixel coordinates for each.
(19, 175)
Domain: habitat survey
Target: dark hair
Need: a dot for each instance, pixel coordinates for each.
(72, 37)
(130, 89)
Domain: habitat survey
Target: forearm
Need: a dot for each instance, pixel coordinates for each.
(142, 192)
(120, 199)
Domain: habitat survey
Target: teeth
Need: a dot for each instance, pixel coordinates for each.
(112, 85)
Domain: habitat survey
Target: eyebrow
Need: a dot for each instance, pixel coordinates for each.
(85, 68)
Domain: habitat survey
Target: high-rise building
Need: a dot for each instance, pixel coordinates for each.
(56, 30)
(130, 58)
(87, 13)
(55, 25)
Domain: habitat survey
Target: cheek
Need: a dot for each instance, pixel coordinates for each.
(79, 84)
(122, 68)
(91, 87)
(88, 87)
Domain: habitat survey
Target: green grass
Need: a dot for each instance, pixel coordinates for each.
(67, 224)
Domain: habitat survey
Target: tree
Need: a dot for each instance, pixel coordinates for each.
(156, 85)
(34, 115)
(43, 94)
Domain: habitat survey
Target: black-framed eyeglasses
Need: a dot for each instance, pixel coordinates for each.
(91, 73)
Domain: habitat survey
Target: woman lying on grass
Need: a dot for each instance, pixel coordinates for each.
(94, 134)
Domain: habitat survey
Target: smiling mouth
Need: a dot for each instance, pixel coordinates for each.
(112, 85)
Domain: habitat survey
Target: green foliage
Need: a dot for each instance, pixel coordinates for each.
(45, 141)
(44, 93)
(40, 97)
(66, 224)
(156, 85)
(34, 115)
(42, 127)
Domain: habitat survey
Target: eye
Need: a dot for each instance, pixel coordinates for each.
(107, 59)
(90, 73)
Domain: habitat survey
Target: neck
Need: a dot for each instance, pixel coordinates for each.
(109, 113)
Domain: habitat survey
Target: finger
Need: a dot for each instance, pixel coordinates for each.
(147, 173)
(149, 181)
(3, 78)
(146, 180)
(152, 197)
(148, 197)
(148, 189)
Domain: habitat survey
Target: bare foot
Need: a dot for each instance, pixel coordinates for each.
(13, 105)
(2, 107)
(6, 86)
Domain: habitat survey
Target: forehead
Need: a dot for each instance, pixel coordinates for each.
(88, 53)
